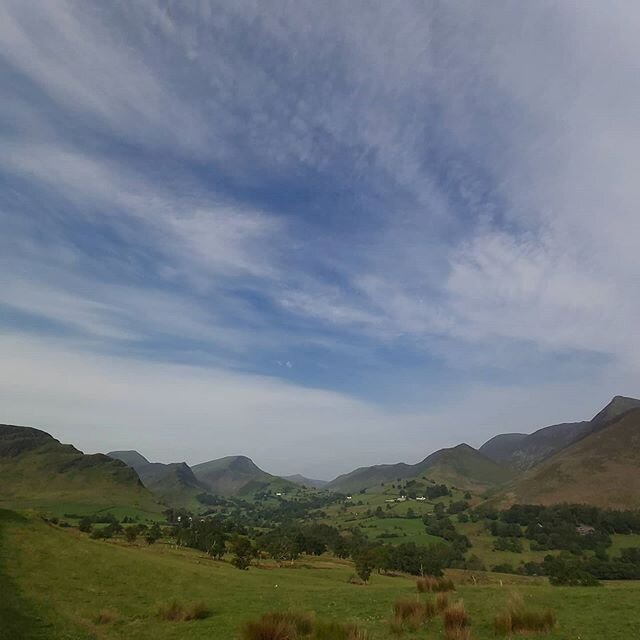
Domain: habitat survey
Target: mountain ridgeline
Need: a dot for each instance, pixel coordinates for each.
(38, 471)
(173, 484)
(461, 466)
(176, 484)
(595, 462)
(600, 469)
(524, 452)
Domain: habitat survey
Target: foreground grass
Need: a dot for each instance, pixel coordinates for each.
(68, 581)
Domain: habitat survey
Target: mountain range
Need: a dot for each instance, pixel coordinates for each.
(524, 451)
(177, 484)
(595, 461)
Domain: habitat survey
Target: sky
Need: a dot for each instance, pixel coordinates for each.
(320, 234)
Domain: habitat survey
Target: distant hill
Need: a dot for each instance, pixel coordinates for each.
(37, 471)
(174, 484)
(306, 482)
(526, 451)
(367, 477)
(602, 469)
(461, 466)
(236, 475)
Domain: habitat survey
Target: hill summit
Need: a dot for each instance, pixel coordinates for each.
(524, 451)
(461, 466)
(36, 470)
(601, 469)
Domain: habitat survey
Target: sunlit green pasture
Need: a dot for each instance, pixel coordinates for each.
(59, 580)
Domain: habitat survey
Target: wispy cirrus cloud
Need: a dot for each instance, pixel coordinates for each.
(391, 193)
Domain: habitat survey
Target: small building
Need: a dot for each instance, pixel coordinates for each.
(585, 530)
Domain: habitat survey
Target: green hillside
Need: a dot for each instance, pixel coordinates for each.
(367, 477)
(461, 466)
(602, 469)
(465, 468)
(526, 451)
(59, 584)
(37, 471)
(236, 476)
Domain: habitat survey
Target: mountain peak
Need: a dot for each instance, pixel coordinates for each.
(616, 407)
(130, 457)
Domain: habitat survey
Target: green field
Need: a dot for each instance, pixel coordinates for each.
(58, 580)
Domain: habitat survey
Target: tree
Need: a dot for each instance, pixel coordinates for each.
(218, 546)
(131, 533)
(242, 550)
(85, 525)
(154, 534)
(365, 562)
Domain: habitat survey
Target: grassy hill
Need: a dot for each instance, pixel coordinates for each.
(526, 451)
(37, 471)
(236, 476)
(465, 468)
(174, 484)
(58, 582)
(602, 469)
(461, 466)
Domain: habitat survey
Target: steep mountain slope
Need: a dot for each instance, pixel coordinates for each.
(461, 466)
(37, 471)
(528, 451)
(305, 482)
(173, 484)
(464, 467)
(501, 447)
(236, 475)
(601, 469)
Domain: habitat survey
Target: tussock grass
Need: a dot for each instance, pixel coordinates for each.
(333, 630)
(519, 619)
(463, 633)
(105, 616)
(431, 584)
(442, 602)
(174, 611)
(411, 615)
(301, 623)
(456, 622)
(286, 625)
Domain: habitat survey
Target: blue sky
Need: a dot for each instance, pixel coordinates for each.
(320, 234)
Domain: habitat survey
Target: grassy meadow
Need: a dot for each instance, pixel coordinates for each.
(61, 584)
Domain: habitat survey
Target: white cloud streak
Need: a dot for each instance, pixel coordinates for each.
(490, 151)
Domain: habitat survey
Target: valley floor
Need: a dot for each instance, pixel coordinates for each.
(55, 582)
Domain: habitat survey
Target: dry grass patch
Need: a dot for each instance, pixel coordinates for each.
(411, 615)
(456, 622)
(105, 616)
(442, 602)
(338, 631)
(300, 626)
(517, 618)
(431, 584)
(175, 611)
